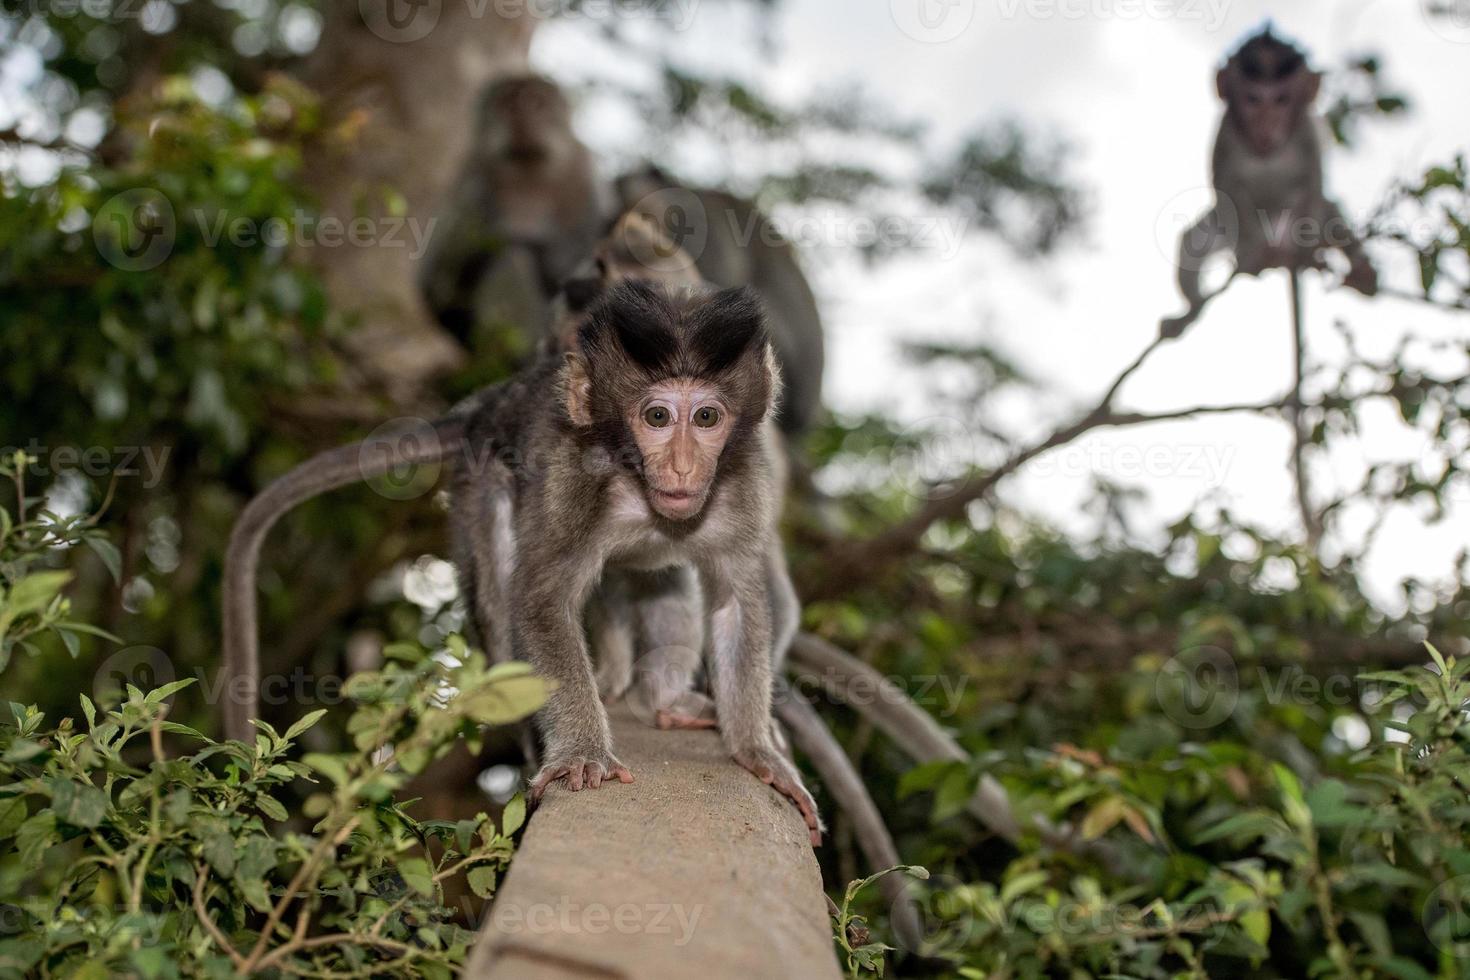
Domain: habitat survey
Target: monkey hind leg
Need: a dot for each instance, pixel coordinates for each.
(611, 636)
(670, 616)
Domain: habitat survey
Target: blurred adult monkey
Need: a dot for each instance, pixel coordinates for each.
(527, 209)
(734, 244)
(1270, 209)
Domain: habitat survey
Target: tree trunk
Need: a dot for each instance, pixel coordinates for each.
(399, 81)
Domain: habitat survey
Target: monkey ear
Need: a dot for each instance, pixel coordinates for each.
(576, 390)
(1222, 83)
(730, 322)
(1311, 83)
(773, 378)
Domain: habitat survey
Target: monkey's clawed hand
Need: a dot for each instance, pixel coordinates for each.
(773, 769)
(587, 768)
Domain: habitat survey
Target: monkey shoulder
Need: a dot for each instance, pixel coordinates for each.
(507, 419)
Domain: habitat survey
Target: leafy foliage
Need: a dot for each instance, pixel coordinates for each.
(118, 857)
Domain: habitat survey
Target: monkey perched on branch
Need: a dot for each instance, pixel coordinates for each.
(1270, 208)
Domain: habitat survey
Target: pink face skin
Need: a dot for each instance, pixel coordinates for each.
(681, 426)
(1269, 112)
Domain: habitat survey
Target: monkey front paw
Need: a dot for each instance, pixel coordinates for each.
(587, 769)
(773, 769)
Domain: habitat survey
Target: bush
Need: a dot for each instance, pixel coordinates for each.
(118, 857)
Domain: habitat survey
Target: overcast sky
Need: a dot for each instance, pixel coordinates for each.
(1131, 85)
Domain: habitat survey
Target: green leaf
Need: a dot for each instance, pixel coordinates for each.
(303, 724)
(34, 592)
(176, 807)
(1403, 968)
(417, 875)
(12, 815)
(505, 701)
(109, 554)
(219, 851)
(271, 807)
(1101, 818)
(1257, 925)
(22, 750)
(926, 776)
(79, 804)
(481, 879)
(514, 815)
(1021, 884)
(953, 794)
(35, 837)
(90, 710)
(331, 766)
(1330, 807)
(17, 956)
(256, 893)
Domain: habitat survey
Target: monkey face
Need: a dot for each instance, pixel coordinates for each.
(1267, 89)
(681, 426)
(1269, 113)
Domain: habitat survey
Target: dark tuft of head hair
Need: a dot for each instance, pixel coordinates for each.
(726, 326)
(636, 316)
(1264, 57)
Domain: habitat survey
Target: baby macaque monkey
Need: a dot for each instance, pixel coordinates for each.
(644, 449)
(1270, 208)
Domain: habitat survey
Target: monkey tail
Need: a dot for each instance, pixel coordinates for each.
(375, 456)
(811, 736)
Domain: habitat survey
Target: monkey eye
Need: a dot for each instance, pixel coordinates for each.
(707, 417)
(657, 416)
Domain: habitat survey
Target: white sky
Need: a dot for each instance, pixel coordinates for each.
(1134, 93)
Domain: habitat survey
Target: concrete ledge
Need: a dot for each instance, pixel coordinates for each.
(694, 870)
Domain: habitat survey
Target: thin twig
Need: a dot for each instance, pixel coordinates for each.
(203, 915)
(1295, 410)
